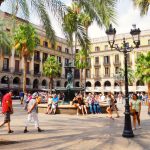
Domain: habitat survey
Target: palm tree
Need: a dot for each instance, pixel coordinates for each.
(143, 69)
(81, 63)
(25, 42)
(143, 5)
(102, 11)
(5, 40)
(51, 69)
(131, 76)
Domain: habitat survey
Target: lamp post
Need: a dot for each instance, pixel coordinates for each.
(6, 78)
(125, 48)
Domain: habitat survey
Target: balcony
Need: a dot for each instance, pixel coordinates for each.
(97, 65)
(117, 63)
(37, 59)
(8, 54)
(18, 72)
(5, 70)
(37, 74)
(17, 55)
(106, 63)
(29, 58)
(97, 77)
(107, 76)
(28, 72)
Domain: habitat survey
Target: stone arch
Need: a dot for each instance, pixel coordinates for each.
(88, 84)
(35, 84)
(107, 83)
(139, 83)
(16, 80)
(58, 83)
(44, 82)
(65, 84)
(77, 84)
(28, 82)
(4, 80)
(97, 84)
(116, 84)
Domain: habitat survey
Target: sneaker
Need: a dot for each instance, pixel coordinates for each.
(140, 127)
(134, 129)
(10, 131)
(40, 130)
(25, 131)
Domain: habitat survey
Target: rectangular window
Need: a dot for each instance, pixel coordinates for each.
(6, 64)
(66, 61)
(116, 58)
(45, 55)
(59, 48)
(37, 55)
(96, 60)
(106, 60)
(116, 70)
(97, 49)
(88, 74)
(106, 47)
(148, 42)
(36, 68)
(45, 43)
(17, 65)
(77, 50)
(107, 71)
(59, 59)
(28, 67)
(67, 50)
(96, 72)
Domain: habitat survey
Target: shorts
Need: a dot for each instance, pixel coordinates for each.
(7, 117)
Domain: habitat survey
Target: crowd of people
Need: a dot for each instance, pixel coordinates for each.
(85, 104)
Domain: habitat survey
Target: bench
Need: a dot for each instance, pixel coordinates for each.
(67, 109)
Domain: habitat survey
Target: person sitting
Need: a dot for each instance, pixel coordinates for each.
(55, 100)
(76, 104)
(49, 104)
(82, 105)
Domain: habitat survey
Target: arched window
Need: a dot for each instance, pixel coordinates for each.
(44, 83)
(58, 83)
(27, 81)
(116, 84)
(36, 84)
(88, 84)
(77, 84)
(5, 80)
(65, 84)
(107, 83)
(139, 83)
(16, 80)
(97, 83)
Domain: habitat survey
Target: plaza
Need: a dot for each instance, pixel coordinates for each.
(71, 132)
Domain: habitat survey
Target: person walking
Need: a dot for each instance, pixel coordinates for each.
(7, 110)
(32, 113)
(135, 110)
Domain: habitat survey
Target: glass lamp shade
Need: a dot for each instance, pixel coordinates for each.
(111, 32)
(136, 36)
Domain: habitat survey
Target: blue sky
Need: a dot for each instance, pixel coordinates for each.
(127, 15)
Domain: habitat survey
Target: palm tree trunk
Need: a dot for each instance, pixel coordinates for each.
(81, 72)
(85, 67)
(149, 90)
(24, 74)
(50, 84)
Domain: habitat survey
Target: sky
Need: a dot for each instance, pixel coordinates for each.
(127, 15)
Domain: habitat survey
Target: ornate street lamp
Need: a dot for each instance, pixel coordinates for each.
(125, 48)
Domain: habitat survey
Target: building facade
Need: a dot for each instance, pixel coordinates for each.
(101, 73)
(105, 63)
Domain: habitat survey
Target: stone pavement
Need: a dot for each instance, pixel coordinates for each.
(71, 132)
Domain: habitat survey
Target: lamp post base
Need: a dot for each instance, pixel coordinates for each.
(128, 134)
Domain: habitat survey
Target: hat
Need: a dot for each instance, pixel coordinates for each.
(34, 95)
